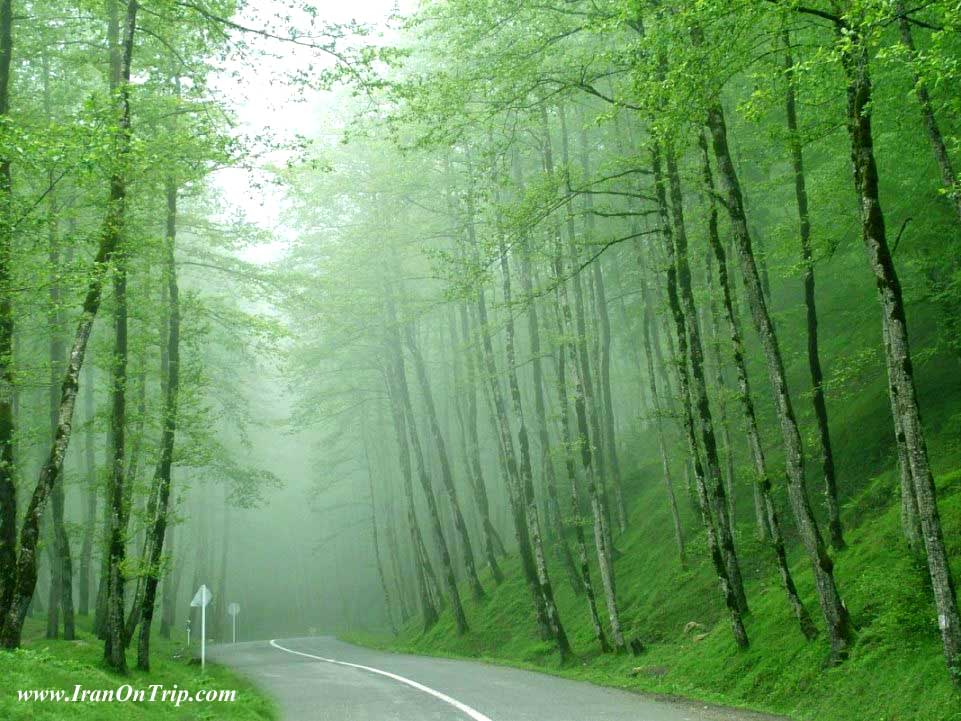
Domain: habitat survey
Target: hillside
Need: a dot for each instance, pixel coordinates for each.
(896, 669)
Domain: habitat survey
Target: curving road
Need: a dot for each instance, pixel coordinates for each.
(323, 679)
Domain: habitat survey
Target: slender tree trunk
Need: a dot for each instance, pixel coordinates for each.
(647, 324)
(526, 472)
(948, 175)
(683, 376)
(90, 500)
(460, 526)
(160, 496)
(581, 374)
(168, 601)
(8, 489)
(403, 394)
(540, 409)
(814, 358)
(114, 647)
(473, 454)
(762, 480)
(700, 404)
(835, 613)
(504, 435)
(580, 540)
(26, 573)
(718, 378)
(604, 353)
(62, 591)
(594, 438)
(897, 347)
(388, 606)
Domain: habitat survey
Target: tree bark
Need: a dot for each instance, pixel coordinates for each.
(577, 350)
(506, 442)
(26, 573)
(526, 489)
(762, 480)
(835, 613)
(896, 346)
(403, 393)
(375, 537)
(683, 376)
(115, 646)
(160, 495)
(8, 489)
(814, 359)
(593, 439)
(90, 505)
(948, 175)
(460, 526)
(647, 324)
(604, 351)
(697, 387)
(491, 539)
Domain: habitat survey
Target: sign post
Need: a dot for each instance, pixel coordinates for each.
(233, 609)
(201, 599)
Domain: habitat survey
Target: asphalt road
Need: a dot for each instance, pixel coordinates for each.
(323, 679)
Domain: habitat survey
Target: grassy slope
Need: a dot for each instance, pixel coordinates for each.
(896, 669)
(46, 664)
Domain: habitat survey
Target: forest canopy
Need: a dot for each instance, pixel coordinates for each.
(616, 299)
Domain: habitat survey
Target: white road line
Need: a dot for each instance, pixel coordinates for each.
(463, 707)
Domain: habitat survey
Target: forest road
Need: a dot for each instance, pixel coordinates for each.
(323, 679)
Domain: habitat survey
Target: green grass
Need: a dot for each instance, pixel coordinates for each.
(44, 664)
(895, 671)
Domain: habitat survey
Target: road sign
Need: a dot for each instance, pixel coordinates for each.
(202, 598)
(233, 608)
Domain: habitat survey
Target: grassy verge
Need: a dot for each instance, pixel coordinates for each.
(43, 664)
(895, 671)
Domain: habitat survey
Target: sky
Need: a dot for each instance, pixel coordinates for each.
(265, 101)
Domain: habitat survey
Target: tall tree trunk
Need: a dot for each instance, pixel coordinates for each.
(8, 489)
(540, 408)
(479, 485)
(375, 538)
(90, 499)
(604, 351)
(948, 175)
(62, 597)
(526, 473)
(115, 654)
(686, 400)
(114, 647)
(762, 480)
(700, 404)
(440, 543)
(717, 367)
(429, 613)
(835, 613)
(168, 600)
(647, 324)
(460, 526)
(814, 358)
(111, 234)
(580, 370)
(170, 373)
(583, 360)
(505, 438)
(897, 347)
(566, 437)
